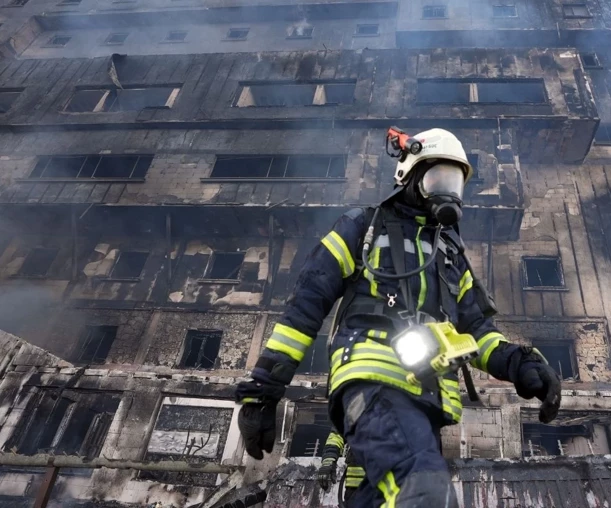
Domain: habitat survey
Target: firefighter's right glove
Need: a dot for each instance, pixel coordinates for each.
(327, 473)
(535, 378)
(257, 417)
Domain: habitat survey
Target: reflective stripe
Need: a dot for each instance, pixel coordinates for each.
(364, 351)
(422, 295)
(487, 344)
(328, 462)
(336, 440)
(377, 334)
(384, 241)
(355, 472)
(451, 401)
(374, 261)
(367, 355)
(249, 400)
(535, 350)
(390, 490)
(289, 341)
(373, 370)
(466, 283)
(338, 248)
(353, 483)
(451, 407)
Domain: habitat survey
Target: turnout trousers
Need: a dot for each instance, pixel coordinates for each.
(397, 441)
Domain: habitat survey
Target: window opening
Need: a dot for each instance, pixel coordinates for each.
(543, 272)
(129, 265)
(280, 166)
(7, 98)
(301, 32)
(116, 38)
(95, 344)
(59, 41)
(312, 427)
(201, 349)
(38, 262)
(370, 29)
(92, 166)
(237, 33)
(225, 265)
(16, 3)
(575, 11)
(434, 11)
(490, 91)
(560, 355)
(590, 60)
(176, 36)
(504, 11)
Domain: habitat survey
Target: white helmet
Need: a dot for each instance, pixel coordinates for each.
(436, 144)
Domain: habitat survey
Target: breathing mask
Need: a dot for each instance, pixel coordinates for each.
(442, 188)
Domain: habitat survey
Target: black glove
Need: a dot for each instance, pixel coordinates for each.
(257, 417)
(327, 474)
(538, 379)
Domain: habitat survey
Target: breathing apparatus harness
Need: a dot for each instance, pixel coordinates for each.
(427, 348)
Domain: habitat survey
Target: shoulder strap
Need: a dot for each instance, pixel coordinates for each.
(397, 252)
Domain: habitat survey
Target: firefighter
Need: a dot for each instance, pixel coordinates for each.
(327, 475)
(392, 425)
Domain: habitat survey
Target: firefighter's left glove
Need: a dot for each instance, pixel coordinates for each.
(327, 473)
(257, 417)
(535, 378)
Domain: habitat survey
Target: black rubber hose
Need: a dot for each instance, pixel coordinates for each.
(340, 489)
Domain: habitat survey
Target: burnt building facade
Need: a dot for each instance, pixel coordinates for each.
(158, 197)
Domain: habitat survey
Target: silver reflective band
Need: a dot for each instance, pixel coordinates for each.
(408, 245)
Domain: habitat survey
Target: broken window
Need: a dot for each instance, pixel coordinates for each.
(542, 273)
(201, 349)
(560, 354)
(176, 36)
(473, 159)
(93, 166)
(238, 33)
(434, 11)
(301, 32)
(225, 266)
(279, 166)
(127, 99)
(129, 265)
(66, 422)
(489, 91)
(295, 94)
(58, 41)
(572, 433)
(369, 29)
(504, 11)
(316, 359)
(190, 429)
(95, 344)
(590, 60)
(7, 98)
(38, 262)
(311, 429)
(116, 38)
(575, 11)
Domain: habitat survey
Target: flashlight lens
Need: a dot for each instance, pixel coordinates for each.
(415, 148)
(411, 348)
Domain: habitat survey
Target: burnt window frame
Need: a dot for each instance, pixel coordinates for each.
(504, 6)
(51, 44)
(44, 275)
(231, 30)
(84, 339)
(104, 104)
(108, 42)
(293, 30)
(561, 342)
(576, 16)
(143, 160)
(168, 39)
(473, 84)
(242, 99)
(594, 56)
(186, 349)
(359, 26)
(524, 274)
(432, 7)
(279, 179)
(207, 279)
(113, 277)
(320, 347)
(322, 409)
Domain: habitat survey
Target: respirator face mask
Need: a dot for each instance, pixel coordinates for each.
(442, 188)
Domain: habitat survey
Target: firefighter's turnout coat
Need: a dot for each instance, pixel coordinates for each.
(360, 349)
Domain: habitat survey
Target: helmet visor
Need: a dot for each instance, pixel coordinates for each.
(443, 178)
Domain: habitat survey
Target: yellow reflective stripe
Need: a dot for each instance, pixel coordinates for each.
(353, 483)
(289, 341)
(336, 440)
(374, 261)
(390, 490)
(422, 295)
(355, 472)
(452, 392)
(452, 410)
(377, 334)
(365, 351)
(466, 283)
(338, 248)
(535, 350)
(487, 344)
(373, 370)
